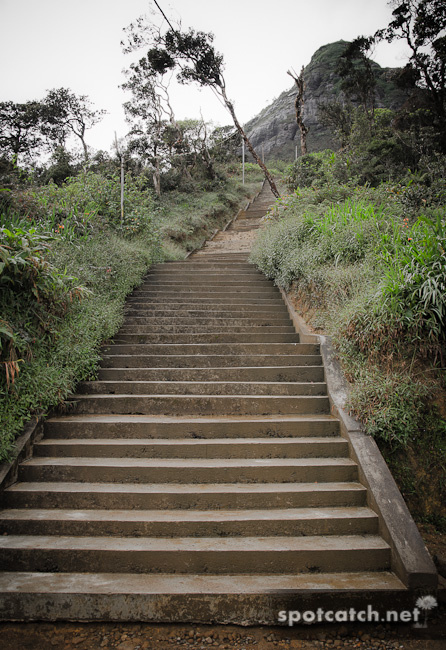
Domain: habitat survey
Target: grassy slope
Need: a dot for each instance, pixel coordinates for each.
(332, 261)
(66, 351)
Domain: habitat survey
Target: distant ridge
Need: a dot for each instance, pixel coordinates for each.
(274, 130)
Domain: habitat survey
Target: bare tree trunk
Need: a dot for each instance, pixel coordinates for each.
(299, 105)
(156, 173)
(84, 145)
(239, 128)
(205, 152)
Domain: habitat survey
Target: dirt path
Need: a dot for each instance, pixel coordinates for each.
(94, 636)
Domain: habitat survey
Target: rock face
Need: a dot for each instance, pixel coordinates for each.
(275, 131)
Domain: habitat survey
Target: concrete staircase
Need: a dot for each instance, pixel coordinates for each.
(202, 476)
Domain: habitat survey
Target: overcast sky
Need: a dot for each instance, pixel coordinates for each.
(75, 44)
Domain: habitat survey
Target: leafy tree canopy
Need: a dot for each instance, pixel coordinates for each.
(20, 129)
(422, 24)
(191, 54)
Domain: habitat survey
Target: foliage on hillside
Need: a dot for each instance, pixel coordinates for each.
(68, 259)
(368, 266)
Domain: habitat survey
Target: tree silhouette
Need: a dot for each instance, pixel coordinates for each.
(192, 56)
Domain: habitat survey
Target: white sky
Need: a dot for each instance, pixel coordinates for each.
(75, 44)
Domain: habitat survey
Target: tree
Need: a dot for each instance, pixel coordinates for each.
(61, 166)
(339, 117)
(149, 113)
(20, 129)
(66, 114)
(195, 145)
(357, 73)
(224, 143)
(192, 55)
(421, 24)
(299, 107)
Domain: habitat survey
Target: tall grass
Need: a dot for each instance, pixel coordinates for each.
(373, 275)
(366, 274)
(67, 263)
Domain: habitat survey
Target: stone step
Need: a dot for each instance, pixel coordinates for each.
(189, 470)
(210, 270)
(208, 349)
(251, 555)
(211, 287)
(185, 281)
(212, 265)
(218, 337)
(247, 227)
(211, 361)
(211, 281)
(134, 387)
(185, 523)
(223, 311)
(229, 254)
(211, 322)
(313, 374)
(224, 255)
(166, 404)
(201, 289)
(156, 597)
(228, 275)
(204, 496)
(156, 328)
(188, 448)
(149, 427)
(254, 302)
(249, 295)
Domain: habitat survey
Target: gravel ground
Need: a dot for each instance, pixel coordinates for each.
(94, 636)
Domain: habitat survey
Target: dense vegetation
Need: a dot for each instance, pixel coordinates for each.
(68, 259)
(367, 264)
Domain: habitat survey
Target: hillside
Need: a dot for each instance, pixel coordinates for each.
(275, 130)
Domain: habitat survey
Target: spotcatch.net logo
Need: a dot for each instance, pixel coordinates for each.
(417, 616)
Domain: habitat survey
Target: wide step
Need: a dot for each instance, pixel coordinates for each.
(195, 555)
(193, 470)
(141, 387)
(148, 427)
(187, 448)
(204, 496)
(198, 523)
(203, 404)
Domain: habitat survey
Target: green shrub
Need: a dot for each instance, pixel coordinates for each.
(84, 205)
(309, 170)
(34, 296)
(377, 282)
(297, 248)
(392, 407)
(410, 304)
(322, 169)
(55, 362)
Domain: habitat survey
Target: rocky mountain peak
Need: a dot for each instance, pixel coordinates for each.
(275, 132)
